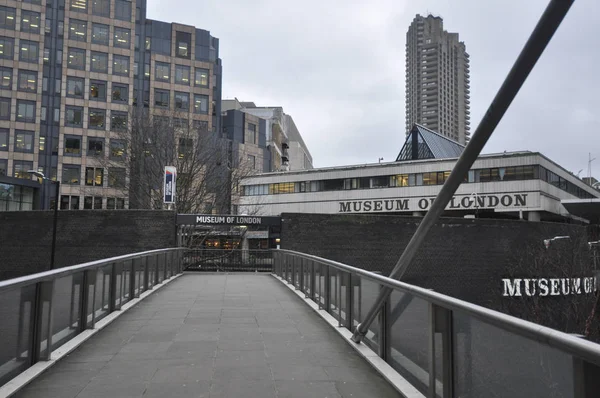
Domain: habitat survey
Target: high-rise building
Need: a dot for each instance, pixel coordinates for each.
(72, 73)
(437, 79)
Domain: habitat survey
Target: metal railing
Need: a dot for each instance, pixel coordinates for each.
(41, 312)
(238, 260)
(443, 346)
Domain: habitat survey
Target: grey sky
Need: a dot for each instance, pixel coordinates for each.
(338, 68)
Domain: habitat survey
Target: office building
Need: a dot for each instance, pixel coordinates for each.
(73, 71)
(437, 79)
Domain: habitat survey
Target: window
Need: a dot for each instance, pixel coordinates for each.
(97, 202)
(200, 103)
(183, 41)
(110, 203)
(252, 161)
(99, 62)
(26, 111)
(6, 78)
(97, 90)
(252, 133)
(88, 202)
(117, 150)
(123, 10)
(7, 18)
(201, 77)
(94, 176)
(146, 71)
(186, 146)
(182, 74)
(120, 65)
(20, 168)
(4, 139)
(182, 101)
(162, 71)
(120, 93)
(71, 174)
(161, 98)
(101, 8)
(201, 125)
(66, 199)
(76, 58)
(97, 119)
(100, 34)
(75, 87)
(4, 108)
(30, 21)
(116, 177)
(120, 203)
(77, 30)
(95, 146)
(118, 121)
(7, 45)
(27, 81)
(122, 37)
(24, 141)
(72, 146)
(74, 116)
(47, 55)
(42, 144)
(28, 51)
(3, 167)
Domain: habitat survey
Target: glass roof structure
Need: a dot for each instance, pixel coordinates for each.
(423, 143)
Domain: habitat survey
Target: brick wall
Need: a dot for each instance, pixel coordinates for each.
(82, 235)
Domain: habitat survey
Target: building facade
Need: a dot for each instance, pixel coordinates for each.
(74, 71)
(247, 134)
(437, 79)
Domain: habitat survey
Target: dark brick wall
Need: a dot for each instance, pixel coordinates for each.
(82, 235)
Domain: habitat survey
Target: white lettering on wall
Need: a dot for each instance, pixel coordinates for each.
(548, 286)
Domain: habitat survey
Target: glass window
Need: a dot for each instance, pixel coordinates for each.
(161, 98)
(6, 78)
(122, 37)
(200, 103)
(4, 108)
(252, 133)
(182, 101)
(120, 203)
(162, 71)
(74, 116)
(71, 174)
(27, 81)
(7, 18)
(100, 34)
(146, 71)
(117, 150)
(30, 21)
(75, 87)
(116, 177)
(47, 56)
(78, 5)
(7, 45)
(28, 51)
(95, 146)
(72, 145)
(182, 74)
(118, 121)
(97, 119)
(110, 203)
(201, 77)
(26, 111)
(183, 41)
(120, 92)
(97, 90)
(88, 201)
(94, 176)
(99, 62)
(76, 58)
(24, 141)
(97, 202)
(3, 167)
(20, 168)
(123, 10)
(4, 139)
(77, 30)
(101, 8)
(61, 28)
(42, 144)
(64, 202)
(201, 125)
(120, 65)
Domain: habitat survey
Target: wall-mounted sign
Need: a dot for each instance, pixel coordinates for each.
(169, 184)
(548, 286)
(504, 201)
(211, 219)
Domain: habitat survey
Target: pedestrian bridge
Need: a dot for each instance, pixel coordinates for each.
(137, 325)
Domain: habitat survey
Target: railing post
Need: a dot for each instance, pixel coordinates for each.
(312, 280)
(43, 293)
(112, 292)
(585, 379)
(327, 290)
(132, 294)
(156, 268)
(385, 346)
(302, 287)
(440, 321)
(349, 301)
(146, 273)
(88, 281)
(164, 256)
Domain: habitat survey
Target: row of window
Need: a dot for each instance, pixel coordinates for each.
(26, 81)
(102, 8)
(182, 101)
(419, 179)
(94, 176)
(72, 202)
(162, 72)
(28, 50)
(78, 30)
(30, 20)
(98, 61)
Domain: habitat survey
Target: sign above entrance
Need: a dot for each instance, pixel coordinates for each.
(212, 219)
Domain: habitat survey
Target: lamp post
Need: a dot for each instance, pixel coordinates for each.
(548, 241)
(57, 183)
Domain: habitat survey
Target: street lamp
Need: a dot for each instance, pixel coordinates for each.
(547, 241)
(57, 183)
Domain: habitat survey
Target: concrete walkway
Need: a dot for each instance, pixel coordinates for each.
(223, 335)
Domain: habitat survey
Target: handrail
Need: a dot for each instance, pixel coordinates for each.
(574, 345)
(59, 272)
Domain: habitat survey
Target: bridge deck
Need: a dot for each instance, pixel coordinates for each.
(203, 335)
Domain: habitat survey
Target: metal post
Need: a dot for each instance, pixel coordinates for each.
(432, 324)
(112, 290)
(585, 375)
(385, 327)
(132, 294)
(349, 301)
(56, 203)
(146, 273)
(327, 290)
(43, 294)
(539, 39)
(83, 302)
(312, 280)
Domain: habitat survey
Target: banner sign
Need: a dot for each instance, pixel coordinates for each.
(212, 219)
(548, 286)
(169, 185)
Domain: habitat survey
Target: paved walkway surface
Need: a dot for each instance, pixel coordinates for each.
(223, 335)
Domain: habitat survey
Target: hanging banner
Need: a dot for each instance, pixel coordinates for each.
(169, 185)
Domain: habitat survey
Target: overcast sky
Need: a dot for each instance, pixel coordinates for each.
(337, 67)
